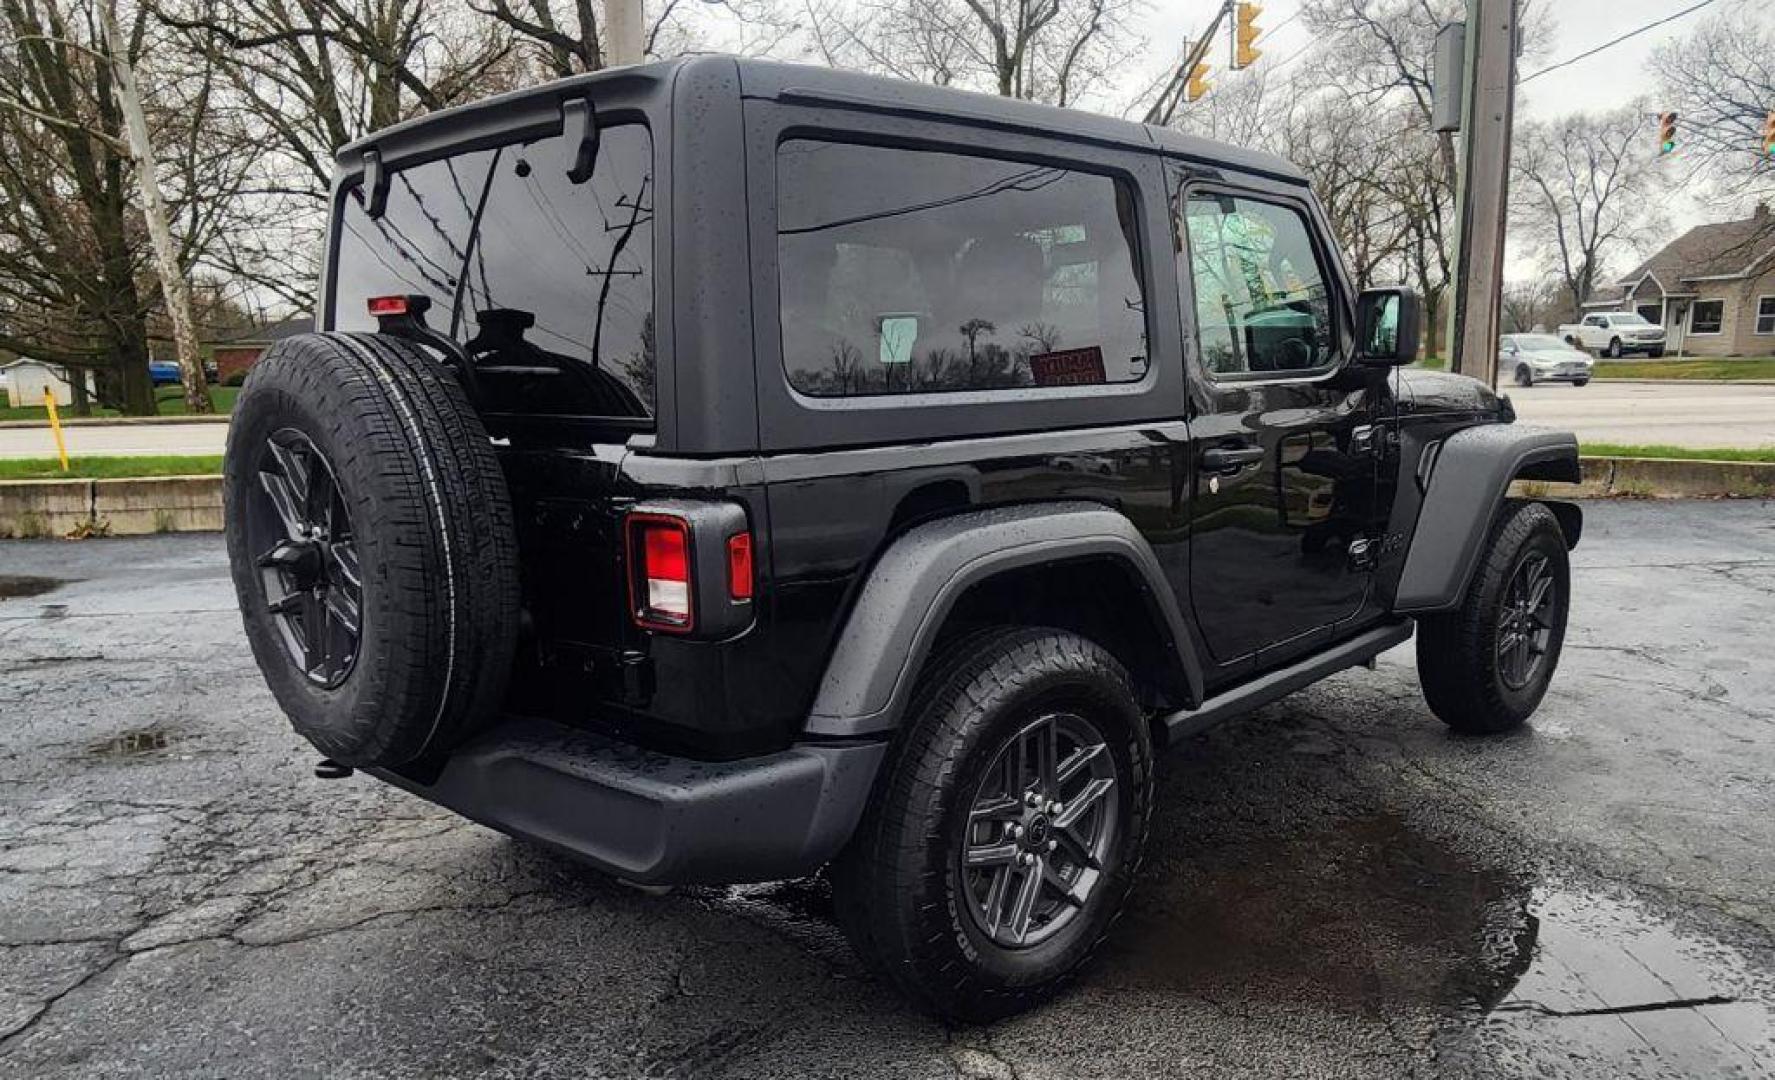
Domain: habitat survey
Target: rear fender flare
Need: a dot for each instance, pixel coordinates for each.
(917, 581)
(1470, 477)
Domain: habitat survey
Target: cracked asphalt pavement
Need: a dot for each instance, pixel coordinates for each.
(1335, 885)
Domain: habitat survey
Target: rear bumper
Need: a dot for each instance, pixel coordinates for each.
(654, 818)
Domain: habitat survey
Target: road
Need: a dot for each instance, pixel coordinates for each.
(122, 440)
(1335, 886)
(1704, 415)
(1701, 415)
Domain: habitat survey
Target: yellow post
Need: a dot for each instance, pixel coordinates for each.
(55, 425)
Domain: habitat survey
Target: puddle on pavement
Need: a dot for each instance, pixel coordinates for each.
(131, 744)
(1372, 917)
(1362, 915)
(18, 587)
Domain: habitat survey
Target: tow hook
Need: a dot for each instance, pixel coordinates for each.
(328, 769)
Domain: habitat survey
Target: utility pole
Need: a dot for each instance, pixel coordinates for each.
(622, 22)
(1166, 106)
(160, 234)
(1483, 186)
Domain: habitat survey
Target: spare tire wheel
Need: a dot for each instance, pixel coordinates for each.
(372, 545)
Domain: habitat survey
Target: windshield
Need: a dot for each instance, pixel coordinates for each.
(1628, 320)
(1536, 342)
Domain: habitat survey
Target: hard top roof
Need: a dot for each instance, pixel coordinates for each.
(845, 89)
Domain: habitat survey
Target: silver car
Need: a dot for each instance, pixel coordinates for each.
(1535, 358)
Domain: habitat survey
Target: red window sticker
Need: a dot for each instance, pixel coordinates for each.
(1068, 367)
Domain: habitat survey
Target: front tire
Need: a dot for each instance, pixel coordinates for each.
(1485, 666)
(1614, 350)
(1524, 377)
(1580, 382)
(1007, 827)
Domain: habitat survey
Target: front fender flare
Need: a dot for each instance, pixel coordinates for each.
(1470, 476)
(917, 581)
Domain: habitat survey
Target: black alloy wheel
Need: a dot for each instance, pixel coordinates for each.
(1525, 621)
(1040, 828)
(307, 558)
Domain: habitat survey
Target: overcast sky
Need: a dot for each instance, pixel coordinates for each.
(1604, 81)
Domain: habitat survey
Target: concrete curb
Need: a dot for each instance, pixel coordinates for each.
(122, 507)
(117, 421)
(1662, 478)
(133, 507)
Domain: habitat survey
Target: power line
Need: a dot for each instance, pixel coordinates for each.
(1610, 44)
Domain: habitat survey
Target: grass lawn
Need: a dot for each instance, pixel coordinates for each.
(105, 468)
(1767, 453)
(1761, 367)
(169, 400)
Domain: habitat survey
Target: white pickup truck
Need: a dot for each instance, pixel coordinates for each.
(1615, 333)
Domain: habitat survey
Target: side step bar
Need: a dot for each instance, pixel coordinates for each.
(1284, 681)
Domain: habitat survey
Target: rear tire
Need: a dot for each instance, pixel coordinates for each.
(930, 888)
(1580, 382)
(1656, 354)
(1485, 666)
(405, 582)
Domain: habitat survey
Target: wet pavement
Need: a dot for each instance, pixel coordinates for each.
(1335, 886)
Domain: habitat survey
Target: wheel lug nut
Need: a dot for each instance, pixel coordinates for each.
(1016, 832)
(1055, 807)
(1052, 844)
(1032, 799)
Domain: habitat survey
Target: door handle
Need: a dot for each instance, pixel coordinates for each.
(1226, 459)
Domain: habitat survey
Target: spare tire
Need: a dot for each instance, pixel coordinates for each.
(372, 545)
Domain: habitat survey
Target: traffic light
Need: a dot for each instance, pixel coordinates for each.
(1244, 53)
(1666, 133)
(1198, 81)
(1769, 134)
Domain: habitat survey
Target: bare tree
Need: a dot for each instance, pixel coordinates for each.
(74, 284)
(1057, 51)
(1582, 187)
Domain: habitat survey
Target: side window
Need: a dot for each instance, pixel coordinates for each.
(1261, 301)
(913, 271)
(416, 247)
(558, 306)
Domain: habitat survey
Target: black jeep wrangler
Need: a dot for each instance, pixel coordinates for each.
(719, 470)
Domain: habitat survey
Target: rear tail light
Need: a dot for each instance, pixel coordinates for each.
(660, 584)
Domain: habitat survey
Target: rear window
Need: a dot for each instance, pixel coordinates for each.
(547, 284)
(911, 271)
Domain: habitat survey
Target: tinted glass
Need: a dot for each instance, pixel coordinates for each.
(558, 306)
(917, 271)
(416, 247)
(1260, 299)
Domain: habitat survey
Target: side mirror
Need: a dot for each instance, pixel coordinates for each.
(1387, 327)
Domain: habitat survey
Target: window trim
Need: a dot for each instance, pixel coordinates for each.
(1757, 317)
(1695, 306)
(1322, 258)
(1143, 274)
